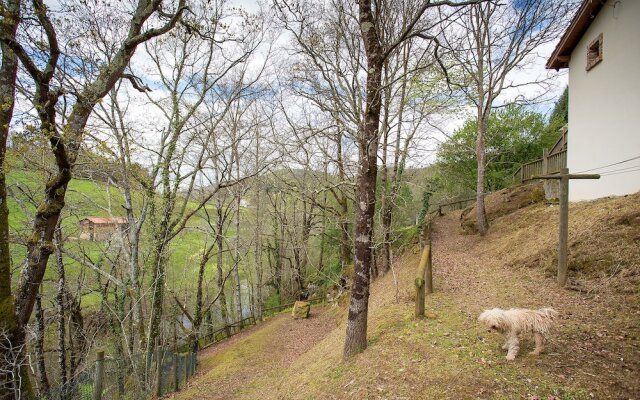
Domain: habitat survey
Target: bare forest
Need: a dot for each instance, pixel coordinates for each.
(175, 170)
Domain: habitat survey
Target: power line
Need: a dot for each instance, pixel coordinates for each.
(610, 165)
(622, 172)
(620, 169)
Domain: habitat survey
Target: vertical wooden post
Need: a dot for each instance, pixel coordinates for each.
(420, 282)
(429, 270)
(176, 371)
(183, 362)
(521, 174)
(545, 161)
(428, 267)
(564, 227)
(563, 241)
(159, 355)
(97, 384)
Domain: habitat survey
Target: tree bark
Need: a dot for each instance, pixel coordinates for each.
(220, 263)
(8, 73)
(356, 335)
(258, 257)
(41, 371)
(346, 244)
(60, 304)
(483, 225)
(385, 198)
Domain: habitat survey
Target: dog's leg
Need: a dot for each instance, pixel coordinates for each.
(539, 344)
(505, 346)
(514, 347)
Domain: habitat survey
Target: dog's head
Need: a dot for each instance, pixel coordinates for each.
(494, 319)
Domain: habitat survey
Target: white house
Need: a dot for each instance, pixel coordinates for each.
(601, 48)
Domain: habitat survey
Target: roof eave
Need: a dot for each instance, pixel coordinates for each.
(579, 24)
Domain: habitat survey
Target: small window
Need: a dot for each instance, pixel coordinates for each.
(594, 52)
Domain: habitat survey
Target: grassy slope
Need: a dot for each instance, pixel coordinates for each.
(87, 198)
(592, 354)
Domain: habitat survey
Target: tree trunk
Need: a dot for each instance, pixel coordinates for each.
(236, 239)
(159, 261)
(346, 244)
(76, 332)
(385, 198)
(41, 371)
(356, 335)
(483, 224)
(60, 303)
(258, 257)
(8, 73)
(236, 263)
(398, 167)
(219, 263)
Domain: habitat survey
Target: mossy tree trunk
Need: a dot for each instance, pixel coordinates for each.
(65, 145)
(41, 370)
(8, 74)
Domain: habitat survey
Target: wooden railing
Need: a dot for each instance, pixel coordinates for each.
(454, 205)
(548, 164)
(556, 162)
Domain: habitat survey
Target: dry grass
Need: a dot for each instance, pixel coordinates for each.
(604, 244)
(503, 202)
(593, 353)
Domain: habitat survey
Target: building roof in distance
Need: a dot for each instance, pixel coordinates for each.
(106, 220)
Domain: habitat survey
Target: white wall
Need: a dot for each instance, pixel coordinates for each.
(604, 104)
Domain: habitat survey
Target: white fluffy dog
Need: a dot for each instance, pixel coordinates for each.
(515, 321)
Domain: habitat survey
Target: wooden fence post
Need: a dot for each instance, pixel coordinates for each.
(429, 270)
(176, 376)
(420, 281)
(428, 267)
(563, 241)
(183, 362)
(97, 384)
(159, 355)
(564, 226)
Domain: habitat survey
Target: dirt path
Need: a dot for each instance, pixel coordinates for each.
(253, 357)
(597, 343)
(593, 354)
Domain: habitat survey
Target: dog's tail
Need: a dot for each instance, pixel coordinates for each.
(549, 313)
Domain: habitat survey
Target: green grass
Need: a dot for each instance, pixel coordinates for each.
(88, 198)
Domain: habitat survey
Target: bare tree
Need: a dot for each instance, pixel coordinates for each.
(48, 91)
(378, 47)
(493, 40)
(8, 74)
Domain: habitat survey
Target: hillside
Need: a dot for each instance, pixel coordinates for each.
(95, 198)
(593, 352)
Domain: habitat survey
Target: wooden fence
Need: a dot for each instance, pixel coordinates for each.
(171, 368)
(443, 208)
(548, 164)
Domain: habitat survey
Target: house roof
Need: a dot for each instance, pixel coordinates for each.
(578, 26)
(106, 220)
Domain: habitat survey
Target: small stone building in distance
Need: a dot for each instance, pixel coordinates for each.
(101, 228)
